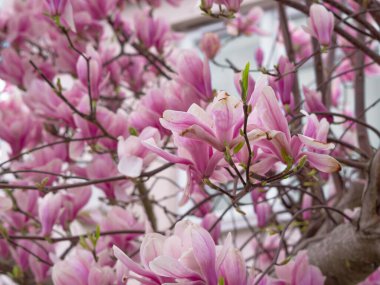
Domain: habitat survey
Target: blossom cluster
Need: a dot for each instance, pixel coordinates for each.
(97, 106)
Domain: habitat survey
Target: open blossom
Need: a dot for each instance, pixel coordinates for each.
(210, 44)
(81, 269)
(286, 148)
(321, 24)
(246, 24)
(218, 125)
(189, 255)
(196, 157)
(152, 106)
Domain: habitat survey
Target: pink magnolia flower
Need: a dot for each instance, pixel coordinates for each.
(195, 74)
(346, 71)
(336, 92)
(208, 222)
(285, 84)
(27, 201)
(133, 155)
(12, 67)
(259, 57)
(5, 204)
(189, 256)
(231, 5)
(91, 73)
(263, 213)
(218, 126)
(103, 166)
(21, 133)
(153, 32)
(134, 72)
(301, 42)
(300, 272)
(116, 124)
(210, 44)
(268, 115)
(118, 219)
(41, 271)
(266, 251)
(152, 106)
(233, 269)
(196, 157)
(246, 24)
(41, 99)
(307, 202)
(81, 269)
(321, 24)
(64, 10)
(313, 103)
(72, 202)
(20, 255)
(48, 159)
(99, 9)
(48, 211)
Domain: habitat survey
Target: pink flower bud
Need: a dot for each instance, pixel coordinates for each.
(320, 24)
(48, 211)
(259, 57)
(307, 202)
(285, 84)
(263, 212)
(210, 44)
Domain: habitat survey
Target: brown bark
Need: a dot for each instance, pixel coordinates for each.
(351, 252)
(346, 256)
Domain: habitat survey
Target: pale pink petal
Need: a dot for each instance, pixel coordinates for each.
(130, 166)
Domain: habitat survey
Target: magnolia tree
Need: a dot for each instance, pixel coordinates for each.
(99, 111)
